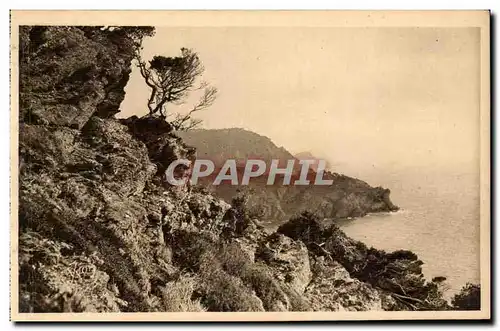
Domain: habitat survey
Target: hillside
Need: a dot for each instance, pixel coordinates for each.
(100, 231)
(346, 197)
(240, 144)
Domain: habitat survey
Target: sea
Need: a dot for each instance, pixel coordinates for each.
(438, 220)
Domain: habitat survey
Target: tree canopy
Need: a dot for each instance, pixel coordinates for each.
(171, 80)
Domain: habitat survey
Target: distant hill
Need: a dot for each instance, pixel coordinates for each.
(220, 144)
(310, 156)
(346, 197)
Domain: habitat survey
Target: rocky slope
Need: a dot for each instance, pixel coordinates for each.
(99, 231)
(346, 197)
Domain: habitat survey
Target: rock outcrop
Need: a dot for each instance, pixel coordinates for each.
(68, 74)
(99, 231)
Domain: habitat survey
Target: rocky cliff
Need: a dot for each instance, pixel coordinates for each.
(100, 232)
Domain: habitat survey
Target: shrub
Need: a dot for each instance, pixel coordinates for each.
(469, 298)
(257, 276)
(225, 292)
(177, 296)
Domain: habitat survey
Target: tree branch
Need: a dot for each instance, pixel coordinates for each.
(205, 101)
(170, 80)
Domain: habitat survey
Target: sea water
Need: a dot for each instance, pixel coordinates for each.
(438, 220)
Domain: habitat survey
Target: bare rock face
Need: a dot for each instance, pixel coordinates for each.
(68, 74)
(333, 289)
(111, 142)
(103, 152)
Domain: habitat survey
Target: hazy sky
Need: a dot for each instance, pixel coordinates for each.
(357, 96)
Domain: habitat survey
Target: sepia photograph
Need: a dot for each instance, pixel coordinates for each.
(291, 165)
